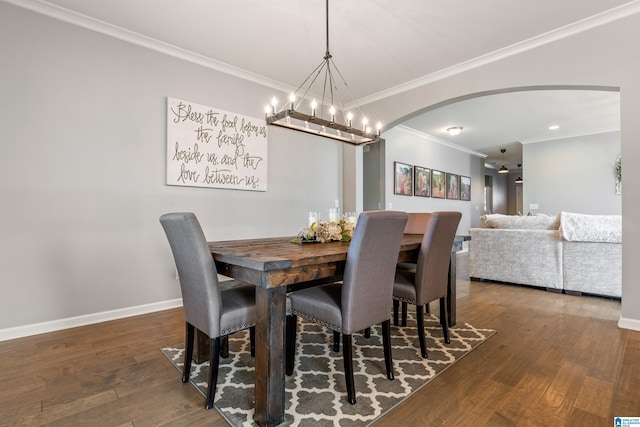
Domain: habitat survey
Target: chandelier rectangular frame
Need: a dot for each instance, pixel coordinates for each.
(296, 120)
(317, 124)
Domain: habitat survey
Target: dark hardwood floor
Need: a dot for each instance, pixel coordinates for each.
(556, 360)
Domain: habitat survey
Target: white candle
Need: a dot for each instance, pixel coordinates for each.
(313, 218)
(333, 215)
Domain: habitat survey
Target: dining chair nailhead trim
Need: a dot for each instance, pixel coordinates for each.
(237, 328)
(404, 300)
(320, 322)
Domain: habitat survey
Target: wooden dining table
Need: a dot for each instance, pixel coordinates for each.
(276, 266)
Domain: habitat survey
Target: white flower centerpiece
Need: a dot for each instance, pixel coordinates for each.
(322, 232)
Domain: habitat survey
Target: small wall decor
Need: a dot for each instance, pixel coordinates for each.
(465, 188)
(438, 186)
(422, 181)
(453, 185)
(617, 171)
(403, 179)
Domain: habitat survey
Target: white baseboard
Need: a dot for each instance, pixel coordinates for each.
(89, 319)
(632, 324)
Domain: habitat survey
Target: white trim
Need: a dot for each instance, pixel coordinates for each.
(88, 319)
(632, 324)
(437, 140)
(567, 136)
(577, 27)
(69, 16)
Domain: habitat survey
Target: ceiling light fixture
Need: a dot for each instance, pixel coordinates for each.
(503, 168)
(554, 127)
(519, 178)
(334, 126)
(455, 130)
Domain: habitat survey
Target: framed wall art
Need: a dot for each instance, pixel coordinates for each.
(453, 186)
(403, 179)
(214, 148)
(465, 188)
(422, 181)
(438, 186)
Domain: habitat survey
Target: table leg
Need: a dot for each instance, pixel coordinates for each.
(451, 290)
(270, 356)
(201, 347)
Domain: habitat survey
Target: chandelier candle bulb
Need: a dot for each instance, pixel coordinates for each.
(379, 127)
(349, 118)
(274, 102)
(332, 111)
(292, 100)
(364, 124)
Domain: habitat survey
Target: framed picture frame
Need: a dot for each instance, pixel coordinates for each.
(403, 179)
(438, 184)
(421, 181)
(465, 188)
(453, 186)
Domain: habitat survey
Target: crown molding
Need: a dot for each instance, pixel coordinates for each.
(577, 27)
(567, 136)
(69, 16)
(437, 140)
(62, 14)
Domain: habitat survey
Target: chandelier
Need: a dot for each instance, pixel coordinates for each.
(328, 118)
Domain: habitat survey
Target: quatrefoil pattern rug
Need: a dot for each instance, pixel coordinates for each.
(316, 393)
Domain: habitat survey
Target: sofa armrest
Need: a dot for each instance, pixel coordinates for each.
(528, 257)
(593, 268)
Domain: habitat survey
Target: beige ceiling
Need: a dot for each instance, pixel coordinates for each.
(379, 46)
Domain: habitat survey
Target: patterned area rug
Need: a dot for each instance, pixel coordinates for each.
(316, 392)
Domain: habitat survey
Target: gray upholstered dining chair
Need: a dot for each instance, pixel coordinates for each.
(416, 224)
(362, 299)
(428, 282)
(213, 309)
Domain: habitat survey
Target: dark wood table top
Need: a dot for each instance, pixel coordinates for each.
(276, 261)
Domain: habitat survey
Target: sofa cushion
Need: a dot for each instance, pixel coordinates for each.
(532, 222)
(591, 228)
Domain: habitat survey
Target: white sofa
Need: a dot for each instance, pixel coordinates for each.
(571, 253)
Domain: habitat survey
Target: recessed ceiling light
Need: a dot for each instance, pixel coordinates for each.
(453, 131)
(554, 127)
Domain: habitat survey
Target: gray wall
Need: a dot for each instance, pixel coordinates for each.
(591, 57)
(407, 146)
(501, 193)
(572, 175)
(82, 170)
